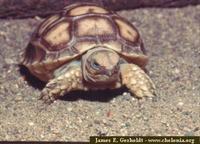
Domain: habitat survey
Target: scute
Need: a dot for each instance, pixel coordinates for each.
(86, 9)
(84, 46)
(47, 23)
(58, 35)
(113, 44)
(94, 26)
(126, 30)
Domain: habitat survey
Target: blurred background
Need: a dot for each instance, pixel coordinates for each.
(29, 8)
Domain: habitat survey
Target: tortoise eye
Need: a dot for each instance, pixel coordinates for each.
(96, 65)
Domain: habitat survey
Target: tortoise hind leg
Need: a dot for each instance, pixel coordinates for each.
(137, 81)
(66, 79)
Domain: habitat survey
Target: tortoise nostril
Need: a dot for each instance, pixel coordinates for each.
(109, 73)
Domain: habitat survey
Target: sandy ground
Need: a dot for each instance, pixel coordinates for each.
(172, 38)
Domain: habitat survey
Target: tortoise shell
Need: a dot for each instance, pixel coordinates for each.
(68, 34)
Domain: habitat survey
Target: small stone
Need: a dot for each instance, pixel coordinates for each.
(18, 98)
(102, 132)
(118, 85)
(31, 123)
(133, 99)
(125, 94)
(9, 61)
(16, 85)
(104, 121)
(113, 100)
(9, 71)
(176, 71)
(38, 18)
(97, 112)
(69, 109)
(145, 118)
(180, 104)
(150, 72)
(127, 124)
(163, 121)
(2, 33)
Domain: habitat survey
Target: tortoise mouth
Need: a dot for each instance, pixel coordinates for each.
(100, 66)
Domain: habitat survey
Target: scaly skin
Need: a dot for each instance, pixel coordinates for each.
(132, 76)
(137, 81)
(69, 81)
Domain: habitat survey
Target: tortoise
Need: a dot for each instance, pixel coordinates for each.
(87, 47)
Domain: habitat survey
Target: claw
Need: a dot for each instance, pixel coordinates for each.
(46, 97)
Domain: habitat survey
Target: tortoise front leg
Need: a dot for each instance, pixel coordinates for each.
(69, 80)
(137, 81)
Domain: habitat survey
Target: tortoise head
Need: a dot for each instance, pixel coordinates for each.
(101, 66)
